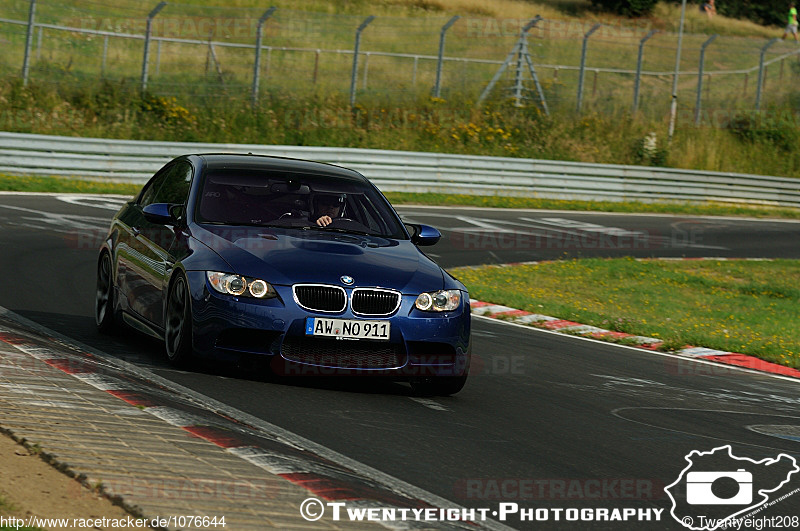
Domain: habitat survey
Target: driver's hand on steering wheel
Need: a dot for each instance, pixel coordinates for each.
(324, 221)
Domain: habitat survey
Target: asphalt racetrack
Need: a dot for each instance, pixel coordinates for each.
(545, 421)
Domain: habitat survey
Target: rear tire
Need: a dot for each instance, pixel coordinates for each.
(178, 325)
(104, 296)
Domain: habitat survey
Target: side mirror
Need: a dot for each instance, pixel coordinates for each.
(424, 235)
(160, 214)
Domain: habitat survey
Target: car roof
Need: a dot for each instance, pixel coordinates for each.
(227, 161)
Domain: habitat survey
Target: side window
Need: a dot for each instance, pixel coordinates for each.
(170, 185)
(149, 193)
(175, 188)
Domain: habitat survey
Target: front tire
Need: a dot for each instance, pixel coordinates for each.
(178, 325)
(104, 296)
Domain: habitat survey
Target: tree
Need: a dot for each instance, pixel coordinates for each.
(627, 8)
(767, 12)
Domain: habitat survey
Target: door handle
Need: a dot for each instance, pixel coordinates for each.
(135, 231)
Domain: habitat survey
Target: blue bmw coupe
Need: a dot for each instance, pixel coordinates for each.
(305, 263)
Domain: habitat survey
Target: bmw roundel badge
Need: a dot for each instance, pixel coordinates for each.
(347, 279)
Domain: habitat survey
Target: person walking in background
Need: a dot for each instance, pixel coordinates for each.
(792, 26)
(708, 8)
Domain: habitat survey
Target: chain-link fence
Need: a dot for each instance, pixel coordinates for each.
(210, 51)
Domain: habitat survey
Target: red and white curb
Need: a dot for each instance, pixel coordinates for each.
(319, 476)
(505, 313)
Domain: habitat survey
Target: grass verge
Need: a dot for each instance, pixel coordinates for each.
(709, 209)
(750, 307)
(63, 185)
(15, 183)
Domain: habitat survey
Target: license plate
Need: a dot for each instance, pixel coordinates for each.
(347, 328)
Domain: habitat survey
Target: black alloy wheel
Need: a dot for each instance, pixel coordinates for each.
(104, 296)
(178, 330)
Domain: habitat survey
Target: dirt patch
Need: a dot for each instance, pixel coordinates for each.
(31, 487)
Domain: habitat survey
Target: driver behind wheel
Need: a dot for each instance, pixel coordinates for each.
(326, 208)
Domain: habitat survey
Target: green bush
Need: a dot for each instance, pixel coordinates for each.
(767, 12)
(763, 143)
(774, 131)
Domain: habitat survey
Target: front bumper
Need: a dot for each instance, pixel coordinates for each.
(420, 343)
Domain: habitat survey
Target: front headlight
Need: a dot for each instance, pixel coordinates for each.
(439, 301)
(231, 284)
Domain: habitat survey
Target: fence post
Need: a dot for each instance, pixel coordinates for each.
(105, 56)
(583, 65)
(41, 30)
(158, 56)
(148, 33)
(639, 62)
(673, 106)
(316, 65)
(354, 74)
(438, 87)
(257, 66)
(366, 69)
(700, 78)
(761, 71)
(26, 62)
(414, 75)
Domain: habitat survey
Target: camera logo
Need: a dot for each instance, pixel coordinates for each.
(700, 487)
(716, 487)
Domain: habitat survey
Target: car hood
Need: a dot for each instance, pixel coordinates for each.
(285, 257)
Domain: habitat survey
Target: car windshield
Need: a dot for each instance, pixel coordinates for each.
(295, 201)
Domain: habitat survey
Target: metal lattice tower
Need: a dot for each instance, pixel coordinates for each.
(521, 55)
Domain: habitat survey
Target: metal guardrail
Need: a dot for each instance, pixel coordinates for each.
(135, 161)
